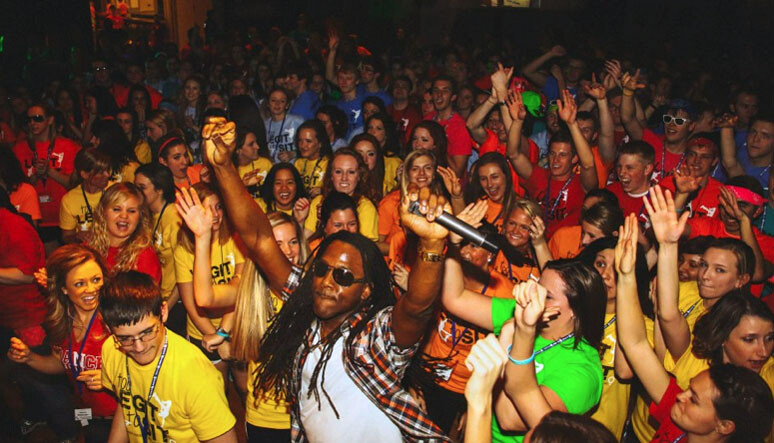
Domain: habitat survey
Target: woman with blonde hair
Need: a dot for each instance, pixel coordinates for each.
(74, 327)
(158, 124)
(524, 230)
(121, 232)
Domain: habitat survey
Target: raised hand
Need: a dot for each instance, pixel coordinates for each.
(450, 181)
(609, 82)
(333, 39)
(431, 206)
(486, 361)
(472, 215)
(568, 109)
(686, 182)
(558, 51)
(198, 217)
(726, 121)
(301, 210)
(729, 201)
(19, 352)
(667, 226)
(516, 108)
(500, 78)
(41, 277)
(626, 249)
(595, 89)
(530, 304)
(613, 68)
(631, 82)
(253, 178)
(537, 230)
(92, 379)
(219, 137)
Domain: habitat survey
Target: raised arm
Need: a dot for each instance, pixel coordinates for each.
(244, 213)
(727, 124)
(414, 310)
(537, 235)
(606, 140)
(531, 70)
(630, 322)
(630, 84)
(485, 361)
(588, 171)
(330, 62)
(668, 229)
(518, 113)
(475, 122)
(763, 267)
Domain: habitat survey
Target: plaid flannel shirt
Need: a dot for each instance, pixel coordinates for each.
(378, 371)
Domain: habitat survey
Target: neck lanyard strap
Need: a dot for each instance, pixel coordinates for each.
(158, 222)
(663, 160)
(144, 424)
(609, 322)
(74, 361)
(86, 200)
(558, 197)
(688, 312)
(555, 343)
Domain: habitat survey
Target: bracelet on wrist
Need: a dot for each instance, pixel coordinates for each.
(222, 332)
(519, 362)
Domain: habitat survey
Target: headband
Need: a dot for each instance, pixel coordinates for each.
(746, 195)
(163, 145)
(702, 141)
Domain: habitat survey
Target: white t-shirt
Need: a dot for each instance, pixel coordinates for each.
(281, 135)
(359, 418)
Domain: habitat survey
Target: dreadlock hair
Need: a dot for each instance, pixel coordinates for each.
(290, 332)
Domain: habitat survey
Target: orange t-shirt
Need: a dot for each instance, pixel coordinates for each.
(493, 215)
(389, 219)
(514, 273)
(453, 338)
(566, 242)
(25, 200)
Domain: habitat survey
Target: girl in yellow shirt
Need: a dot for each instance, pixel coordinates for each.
(110, 139)
(282, 190)
(252, 160)
(314, 150)
(127, 119)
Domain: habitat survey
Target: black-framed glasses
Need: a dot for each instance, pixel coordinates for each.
(127, 341)
(342, 277)
(679, 121)
(36, 118)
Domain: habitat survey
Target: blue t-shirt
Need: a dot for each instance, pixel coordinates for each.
(551, 89)
(760, 173)
(306, 105)
(353, 109)
(381, 93)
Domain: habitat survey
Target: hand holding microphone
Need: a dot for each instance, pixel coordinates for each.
(463, 226)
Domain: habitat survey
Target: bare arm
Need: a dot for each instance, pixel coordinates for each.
(728, 146)
(244, 213)
(470, 306)
(633, 126)
(606, 139)
(475, 122)
(14, 276)
(537, 236)
(229, 437)
(518, 112)
(19, 352)
(118, 432)
(330, 62)
(459, 163)
(763, 268)
(486, 360)
(567, 112)
(531, 70)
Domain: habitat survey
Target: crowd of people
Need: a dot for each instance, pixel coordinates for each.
(178, 224)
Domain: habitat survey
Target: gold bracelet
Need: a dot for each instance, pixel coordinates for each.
(431, 257)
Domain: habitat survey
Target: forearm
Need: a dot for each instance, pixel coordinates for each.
(629, 317)
(674, 327)
(606, 141)
(639, 113)
(118, 432)
(542, 253)
(202, 276)
(520, 383)
(459, 164)
(47, 364)
(728, 152)
(748, 236)
(330, 66)
(478, 425)
(14, 276)
(62, 179)
(531, 70)
(630, 123)
(588, 171)
(519, 161)
(475, 121)
(204, 325)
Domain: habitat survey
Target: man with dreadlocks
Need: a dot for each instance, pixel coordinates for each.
(341, 332)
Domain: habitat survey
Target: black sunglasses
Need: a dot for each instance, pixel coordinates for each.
(343, 277)
(36, 118)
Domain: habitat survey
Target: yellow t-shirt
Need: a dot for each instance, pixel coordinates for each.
(75, 212)
(142, 151)
(614, 403)
(312, 171)
(165, 241)
(688, 300)
(262, 165)
(391, 165)
(125, 175)
(265, 209)
(188, 402)
(223, 261)
(268, 411)
(367, 217)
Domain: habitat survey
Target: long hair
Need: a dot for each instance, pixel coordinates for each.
(563, 427)
(165, 120)
(392, 145)
(137, 241)
(267, 187)
(134, 137)
(375, 175)
(241, 137)
(11, 172)
(90, 161)
(474, 191)
(743, 398)
(338, 120)
(436, 185)
(113, 142)
(253, 308)
(586, 295)
(713, 328)
(440, 141)
(185, 236)
(289, 332)
(361, 189)
(59, 317)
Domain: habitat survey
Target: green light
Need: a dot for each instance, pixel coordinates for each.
(2, 41)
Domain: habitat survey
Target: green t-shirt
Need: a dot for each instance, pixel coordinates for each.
(575, 375)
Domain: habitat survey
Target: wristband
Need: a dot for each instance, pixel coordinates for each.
(519, 362)
(221, 332)
(627, 92)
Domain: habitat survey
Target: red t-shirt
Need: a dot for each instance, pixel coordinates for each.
(50, 192)
(493, 144)
(101, 403)
(671, 160)
(558, 210)
(706, 201)
(147, 262)
(405, 120)
(458, 138)
(630, 204)
(667, 431)
(21, 306)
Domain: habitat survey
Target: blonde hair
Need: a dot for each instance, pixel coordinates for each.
(529, 206)
(59, 317)
(253, 307)
(137, 241)
(409, 162)
(185, 236)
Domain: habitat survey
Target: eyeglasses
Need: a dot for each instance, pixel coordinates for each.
(145, 336)
(343, 277)
(679, 121)
(36, 118)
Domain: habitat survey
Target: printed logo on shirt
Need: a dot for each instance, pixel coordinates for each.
(355, 115)
(84, 218)
(56, 159)
(135, 409)
(86, 361)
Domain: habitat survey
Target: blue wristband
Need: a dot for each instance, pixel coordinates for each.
(223, 334)
(519, 362)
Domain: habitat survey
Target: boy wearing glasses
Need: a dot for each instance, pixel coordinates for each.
(166, 388)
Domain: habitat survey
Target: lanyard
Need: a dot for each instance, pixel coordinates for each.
(663, 160)
(609, 322)
(688, 312)
(86, 200)
(311, 177)
(73, 359)
(32, 145)
(158, 222)
(282, 125)
(547, 197)
(144, 424)
(682, 436)
(555, 343)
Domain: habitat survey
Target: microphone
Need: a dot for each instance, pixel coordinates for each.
(462, 229)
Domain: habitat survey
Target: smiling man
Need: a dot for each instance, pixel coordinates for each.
(634, 167)
(166, 388)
